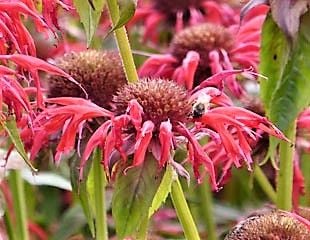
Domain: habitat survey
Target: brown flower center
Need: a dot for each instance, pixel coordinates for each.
(100, 73)
(161, 100)
(203, 39)
(270, 226)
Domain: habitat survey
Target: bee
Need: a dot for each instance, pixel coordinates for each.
(200, 106)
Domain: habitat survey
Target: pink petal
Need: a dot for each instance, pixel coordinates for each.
(165, 138)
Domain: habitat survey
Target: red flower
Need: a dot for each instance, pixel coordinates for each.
(69, 118)
(179, 14)
(152, 116)
(199, 51)
(33, 65)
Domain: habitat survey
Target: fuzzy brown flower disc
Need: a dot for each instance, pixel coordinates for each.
(202, 39)
(271, 226)
(161, 100)
(173, 6)
(99, 72)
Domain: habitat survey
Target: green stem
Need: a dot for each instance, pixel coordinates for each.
(19, 204)
(99, 192)
(184, 215)
(206, 209)
(265, 184)
(8, 225)
(123, 43)
(285, 177)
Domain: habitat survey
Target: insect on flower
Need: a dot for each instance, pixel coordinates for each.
(200, 106)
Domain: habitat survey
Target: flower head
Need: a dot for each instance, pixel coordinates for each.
(273, 225)
(199, 51)
(154, 115)
(99, 73)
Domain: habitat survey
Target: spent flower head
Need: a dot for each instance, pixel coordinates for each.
(271, 226)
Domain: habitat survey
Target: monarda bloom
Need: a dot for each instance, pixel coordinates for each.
(176, 14)
(100, 73)
(199, 51)
(275, 225)
(159, 116)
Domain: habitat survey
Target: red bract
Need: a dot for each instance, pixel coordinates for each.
(16, 36)
(179, 14)
(68, 117)
(33, 65)
(50, 11)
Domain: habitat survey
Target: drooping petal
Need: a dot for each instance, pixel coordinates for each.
(184, 75)
(144, 137)
(165, 138)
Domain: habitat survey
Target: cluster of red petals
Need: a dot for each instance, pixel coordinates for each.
(244, 54)
(68, 116)
(215, 12)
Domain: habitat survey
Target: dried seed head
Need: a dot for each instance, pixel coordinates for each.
(202, 39)
(275, 225)
(173, 6)
(161, 100)
(99, 72)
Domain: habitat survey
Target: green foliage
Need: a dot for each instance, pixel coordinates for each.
(287, 65)
(84, 190)
(71, 222)
(163, 190)
(11, 128)
(127, 9)
(89, 15)
(133, 196)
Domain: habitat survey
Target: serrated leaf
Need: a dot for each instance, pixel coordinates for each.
(133, 196)
(81, 190)
(274, 55)
(89, 15)
(11, 128)
(293, 93)
(163, 190)
(127, 9)
(287, 91)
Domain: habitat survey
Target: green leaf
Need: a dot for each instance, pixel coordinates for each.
(133, 196)
(127, 10)
(274, 56)
(286, 92)
(163, 190)
(293, 93)
(80, 188)
(11, 128)
(89, 16)
(70, 223)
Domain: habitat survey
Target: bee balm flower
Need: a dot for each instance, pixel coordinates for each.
(155, 115)
(199, 51)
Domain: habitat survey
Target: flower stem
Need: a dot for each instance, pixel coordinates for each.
(265, 184)
(123, 43)
(285, 177)
(19, 204)
(183, 212)
(99, 192)
(206, 209)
